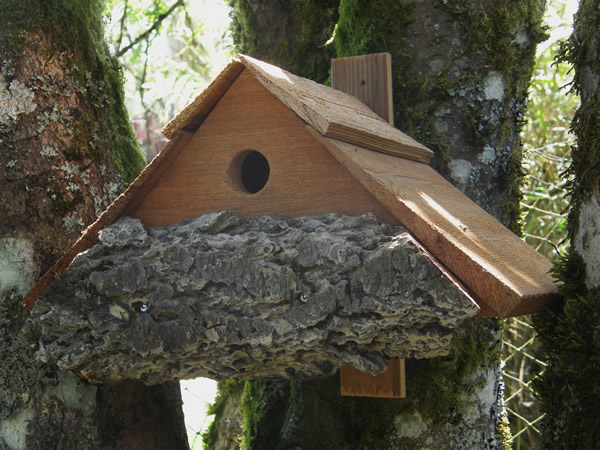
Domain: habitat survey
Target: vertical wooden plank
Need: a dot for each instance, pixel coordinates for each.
(390, 384)
(369, 78)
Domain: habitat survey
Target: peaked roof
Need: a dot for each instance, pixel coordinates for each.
(332, 113)
(505, 275)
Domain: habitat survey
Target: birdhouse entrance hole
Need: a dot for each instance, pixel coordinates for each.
(250, 171)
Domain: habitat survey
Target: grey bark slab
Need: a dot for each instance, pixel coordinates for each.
(266, 297)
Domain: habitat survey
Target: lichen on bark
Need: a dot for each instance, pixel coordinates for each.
(103, 99)
(66, 148)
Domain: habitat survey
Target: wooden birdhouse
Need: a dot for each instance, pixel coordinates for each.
(319, 189)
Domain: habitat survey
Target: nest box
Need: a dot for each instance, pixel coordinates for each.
(259, 142)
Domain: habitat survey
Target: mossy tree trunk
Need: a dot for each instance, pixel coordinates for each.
(291, 34)
(66, 150)
(569, 387)
(461, 72)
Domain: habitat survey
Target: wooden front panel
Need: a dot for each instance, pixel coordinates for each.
(304, 178)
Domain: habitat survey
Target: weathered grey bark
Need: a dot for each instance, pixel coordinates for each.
(461, 71)
(65, 145)
(258, 298)
(569, 386)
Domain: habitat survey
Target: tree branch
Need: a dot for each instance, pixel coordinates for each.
(150, 30)
(122, 26)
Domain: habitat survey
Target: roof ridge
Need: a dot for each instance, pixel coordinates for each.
(333, 113)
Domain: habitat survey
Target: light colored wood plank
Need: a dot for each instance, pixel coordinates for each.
(503, 272)
(368, 78)
(304, 178)
(336, 114)
(390, 384)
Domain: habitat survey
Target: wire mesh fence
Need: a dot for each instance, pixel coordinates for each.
(544, 204)
(521, 367)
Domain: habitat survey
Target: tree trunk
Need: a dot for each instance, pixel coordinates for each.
(460, 76)
(291, 34)
(569, 332)
(66, 148)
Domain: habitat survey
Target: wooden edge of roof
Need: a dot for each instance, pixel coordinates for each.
(468, 293)
(121, 206)
(335, 113)
(190, 117)
(506, 276)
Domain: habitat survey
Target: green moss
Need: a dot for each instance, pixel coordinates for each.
(584, 171)
(381, 26)
(76, 25)
(491, 29)
(570, 334)
(291, 34)
(364, 27)
(226, 389)
(439, 386)
(251, 409)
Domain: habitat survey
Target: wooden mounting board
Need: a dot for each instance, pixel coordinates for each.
(336, 114)
(390, 384)
(368, 78)
(504, 273)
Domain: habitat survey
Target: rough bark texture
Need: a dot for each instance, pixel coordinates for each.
(258, 298)
(292, 34)
(461, 71)
(65, 146)
(569, 332)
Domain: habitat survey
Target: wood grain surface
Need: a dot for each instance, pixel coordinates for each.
(304, 178)
(504, 273)
(390, 384)
(368, 78)
(336, 114)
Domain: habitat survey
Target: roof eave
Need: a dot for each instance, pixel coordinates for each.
(192, 116)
